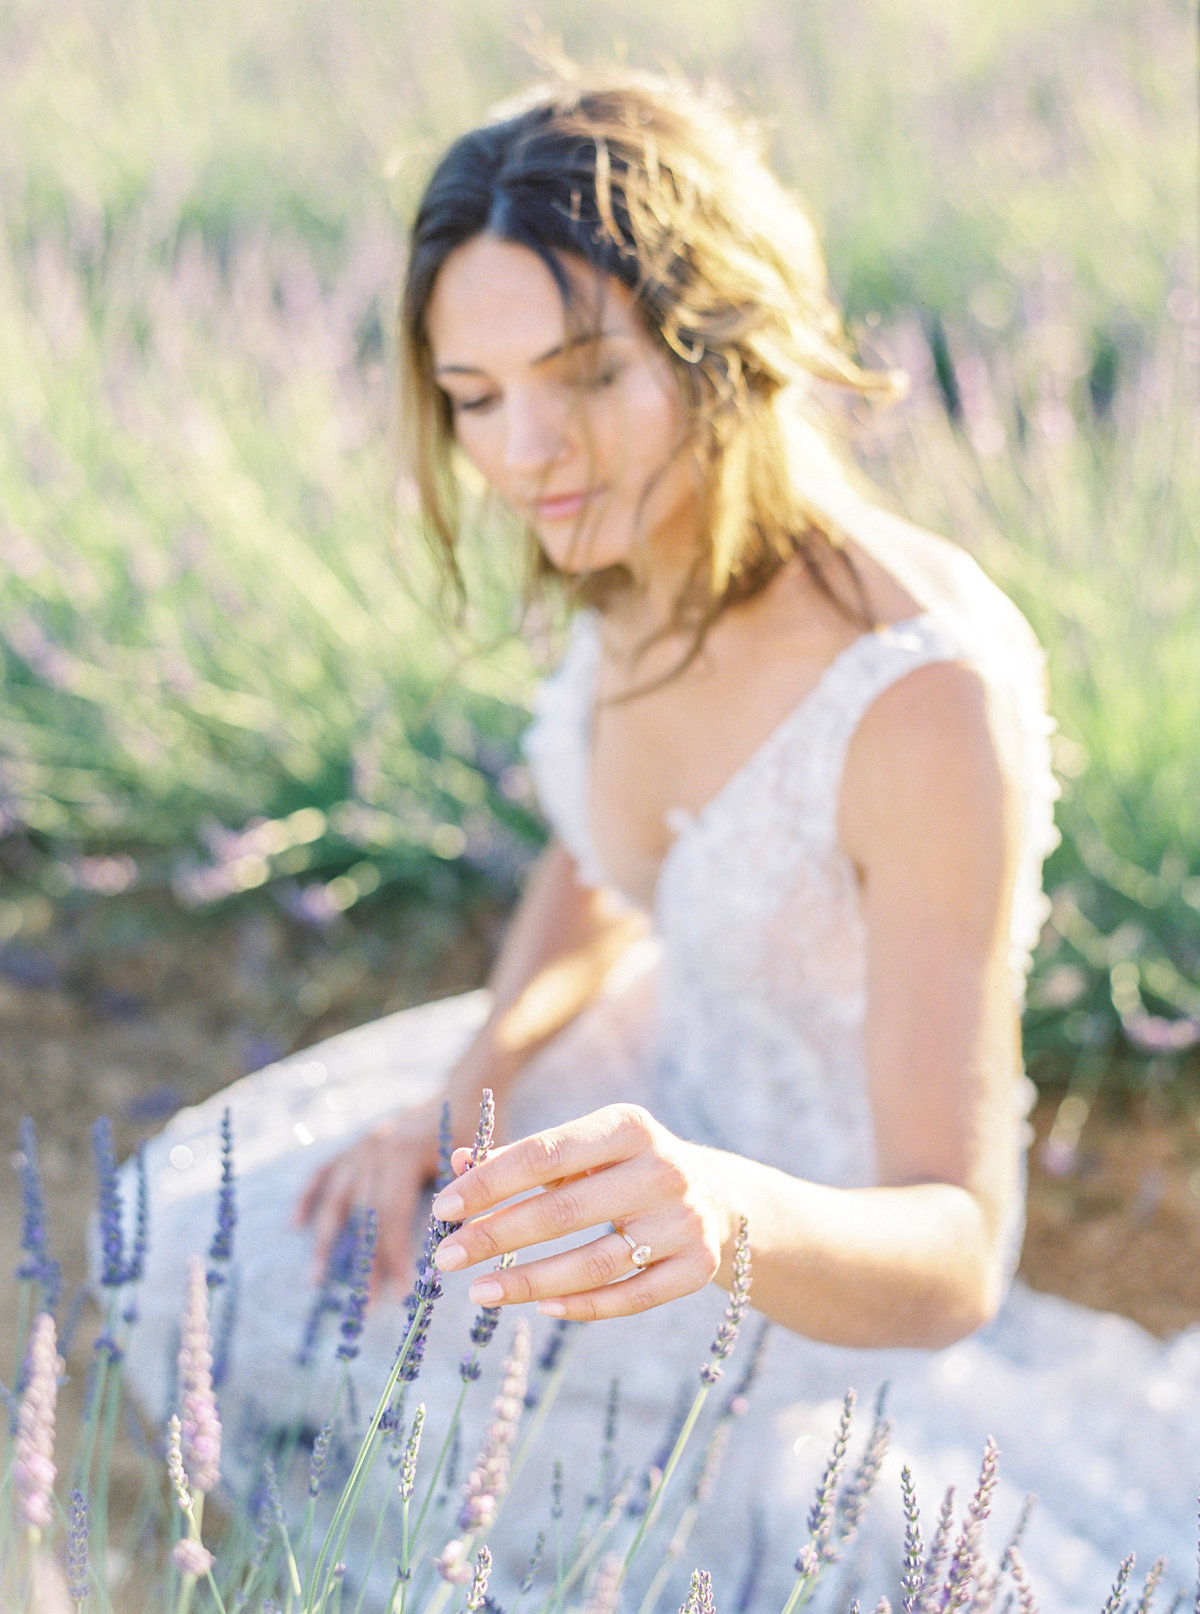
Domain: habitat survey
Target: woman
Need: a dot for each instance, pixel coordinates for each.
(795, 763)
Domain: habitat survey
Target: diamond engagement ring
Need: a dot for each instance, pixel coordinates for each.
(640, 1254)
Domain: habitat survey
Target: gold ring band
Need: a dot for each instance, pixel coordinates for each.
(640, 1254)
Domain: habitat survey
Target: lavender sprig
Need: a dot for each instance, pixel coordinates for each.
(112, 1240)
(33, 1466)
(1117, 1596)
(1152, 1580)
(485, 1131)
(821, 1514)
(1026, 1602)
(487, 1479)
(483, 1328)
(735, 1311)
(77, 1547)
(201, 1425)
(938, 1548)
(914, 1577)
(427, 1289)
(38, 1265)
(479, 1581)
(136, 1265)
(853, 1502)
(366, 1232)
(318, 1459)
(220, 1251)
(408, 1466)
(191, 1557)
(956, 1592)
(699, 1599)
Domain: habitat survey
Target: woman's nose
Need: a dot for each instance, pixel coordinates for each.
(536, 436)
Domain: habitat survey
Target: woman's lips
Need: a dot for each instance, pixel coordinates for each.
(563, 506)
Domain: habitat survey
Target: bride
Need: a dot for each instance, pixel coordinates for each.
(795, 764)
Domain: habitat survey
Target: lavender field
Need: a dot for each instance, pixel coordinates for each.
(254, 786)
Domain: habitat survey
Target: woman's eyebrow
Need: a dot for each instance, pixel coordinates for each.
(555, 352)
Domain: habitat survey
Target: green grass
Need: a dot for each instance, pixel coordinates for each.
(211, 651)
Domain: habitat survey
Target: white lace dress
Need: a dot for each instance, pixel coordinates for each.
(740, 1025)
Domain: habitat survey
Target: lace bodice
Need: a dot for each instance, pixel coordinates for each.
(760, 995)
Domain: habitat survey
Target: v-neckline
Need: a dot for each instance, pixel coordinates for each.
(690, 822)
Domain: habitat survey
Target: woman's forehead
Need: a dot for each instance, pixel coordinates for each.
(497, 299)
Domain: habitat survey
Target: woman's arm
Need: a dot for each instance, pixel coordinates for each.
(560, 945)
(561, 942)
(929, 815)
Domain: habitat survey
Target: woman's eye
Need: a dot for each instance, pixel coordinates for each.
(597, 380)
(469, 406)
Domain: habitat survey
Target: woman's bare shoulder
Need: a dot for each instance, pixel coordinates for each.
(909, 569)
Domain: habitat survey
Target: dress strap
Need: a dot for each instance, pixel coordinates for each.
(871, 664)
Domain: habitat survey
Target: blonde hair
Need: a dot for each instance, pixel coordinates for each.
(657, 184)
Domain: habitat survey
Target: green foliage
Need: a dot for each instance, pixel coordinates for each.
(211, 654)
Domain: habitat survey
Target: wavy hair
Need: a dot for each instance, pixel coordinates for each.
(655, 183)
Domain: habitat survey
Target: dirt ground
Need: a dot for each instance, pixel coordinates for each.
(130, 1014)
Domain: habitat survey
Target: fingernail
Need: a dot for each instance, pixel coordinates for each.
(449, 1257)
(551, 1308)
(486, 1291)
(448, 1206)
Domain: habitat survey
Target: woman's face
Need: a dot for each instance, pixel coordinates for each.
(581, 437)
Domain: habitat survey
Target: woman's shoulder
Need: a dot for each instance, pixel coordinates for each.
(911, 571)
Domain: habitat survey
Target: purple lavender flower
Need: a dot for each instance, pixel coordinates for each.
(853, 1502)
(77, 1547)
(938, 1548)
(366, 1231)
(190, 1557)
(479, 1581)
(913, 1579)
(482, 1329)
(141, 1223)
(735, 1311)
(956, 1592)
(487, 1479)
(820, 1516)
(408, 1467)
(1026, 1602)
(338, 1271)
(425, 1291)
(700, 1594)
(224, 1331)
(37, 1265)
(1152, 1580)
(1117, 1596)
(201, 1426)
(320, 1456)
(451, 1563)
(606, 1585)
(112, 1241)
(445, 1171)
(485, 1131)
(535, 1563)
(220, 1251)
(274, 1494)
(33, 1466)
(9, 1402)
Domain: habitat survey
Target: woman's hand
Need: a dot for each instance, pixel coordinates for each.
(385, 1169)
(615, 1165)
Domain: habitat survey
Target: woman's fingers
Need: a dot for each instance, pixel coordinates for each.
(588, 1266)
(569, 1207)
(665, 1280)
(600, 1139)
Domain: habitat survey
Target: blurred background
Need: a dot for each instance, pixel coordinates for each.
(253, 789)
